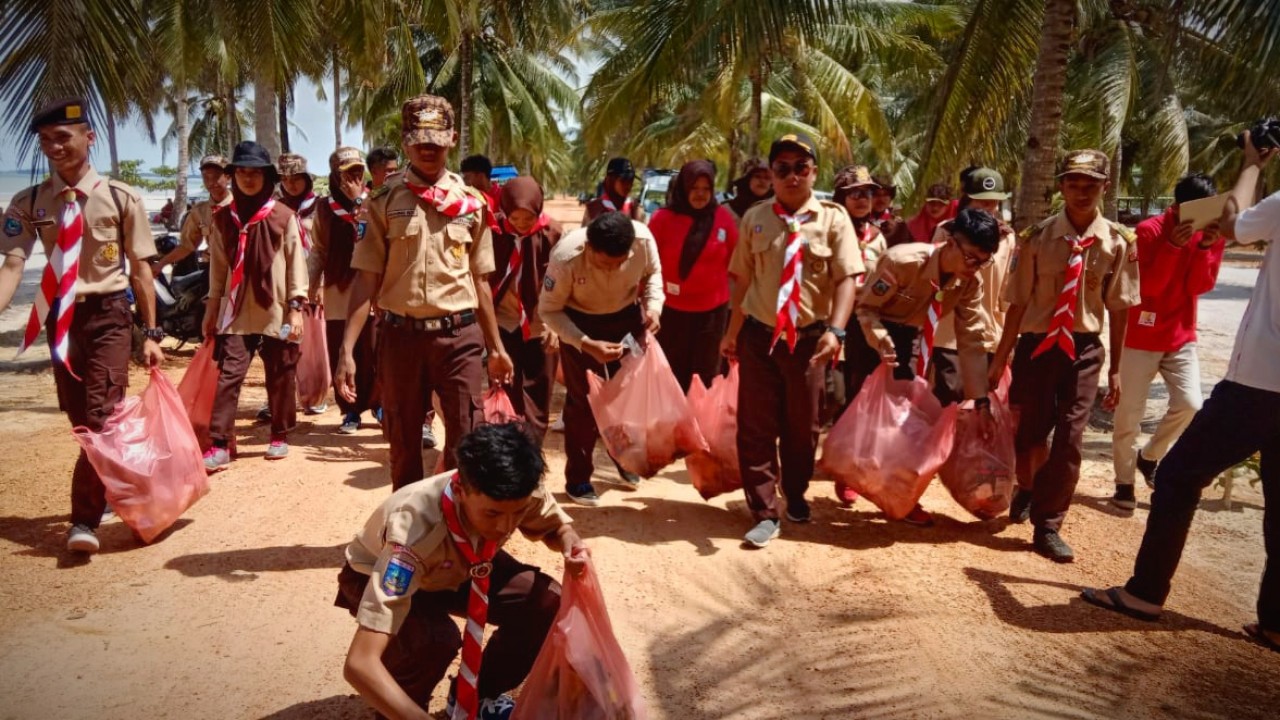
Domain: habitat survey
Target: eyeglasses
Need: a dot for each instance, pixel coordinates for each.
(783, 171)
(970, 259)
(862, 193)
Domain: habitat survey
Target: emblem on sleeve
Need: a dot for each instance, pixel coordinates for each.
(12, 227)
(880, 287)
(549, 282)
(398, 575)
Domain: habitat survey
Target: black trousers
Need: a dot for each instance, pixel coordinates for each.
(1236, 422)
(691, 342)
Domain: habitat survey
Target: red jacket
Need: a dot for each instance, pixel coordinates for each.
(1173, 278)
(707, 286)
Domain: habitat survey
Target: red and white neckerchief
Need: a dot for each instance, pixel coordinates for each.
(1063, 322)
(59, 281)
(342, 213)
(611, 207)
(481, 561)
(237, 263)
(789, 284)
(864, 242)
(930, 329)
(304, 208)
(515, 270)
(448, 204)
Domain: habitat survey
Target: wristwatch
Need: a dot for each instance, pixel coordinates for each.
(358, 201)
(838, 332)
(295, 304)
(154, 334)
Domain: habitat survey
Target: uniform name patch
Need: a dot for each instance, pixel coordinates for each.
(12, 227)
(398, 575)
(880, 287)
(404, 212)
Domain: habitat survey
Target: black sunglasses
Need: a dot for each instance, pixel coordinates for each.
(783, 170)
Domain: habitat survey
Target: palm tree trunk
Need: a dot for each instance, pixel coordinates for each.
(757, 112)
(112, 147)
(464, 94)
(735, 157)
(183, 119)
(1049, 81)
(228, 119)
(337, 100)
(1111, 202)
(284, 120)
(266, 131)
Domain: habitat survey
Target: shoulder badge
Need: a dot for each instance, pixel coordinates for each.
(548, 282)
(12, 226)
(380, 191)
(1125, 232)
(398, 575)
(880, 287)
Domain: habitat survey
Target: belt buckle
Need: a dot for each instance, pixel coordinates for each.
(479, 571)
(431, 324)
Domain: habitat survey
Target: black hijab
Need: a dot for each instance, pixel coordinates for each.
(703, 220)
(743, 198)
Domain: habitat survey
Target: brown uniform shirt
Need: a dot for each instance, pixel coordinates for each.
(288, 280)
(335, 298)
(1039, 267)
(873, 246)
(108, 238)
(831, 254)
(198, 226)
(407, 533)
(573, 282)
(994, 305)
(900, 291)
(430, 263)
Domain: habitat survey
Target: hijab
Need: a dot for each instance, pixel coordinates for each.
(523, 193)
(743, 198)
(342, 236)
(703, 220)
(263, 239)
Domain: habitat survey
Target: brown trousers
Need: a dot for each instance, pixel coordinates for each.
(860, 359)
(531, 384)
(523, 603)
(580, 431)
(366, 369)
(1054, 393)
(779, 409)
(691, 342)
(412, 364)
(279, 359)
(100, 340)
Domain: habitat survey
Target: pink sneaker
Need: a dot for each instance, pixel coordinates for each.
(216, 459)
(278, 449)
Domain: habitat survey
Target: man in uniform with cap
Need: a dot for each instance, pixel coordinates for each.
(603, 282)
(339, 225)
(88, 227)
(432, 552)
(615, 193)
(983, 190)
(426, 253)
(794, 270)
(1067, 273)
(197, 227)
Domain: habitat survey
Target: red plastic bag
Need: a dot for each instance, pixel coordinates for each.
(642, 414)
(197, 388)
(313, 376)
(980, 472)
(148, 458)
(716, 470)
(498, 407)
(890, 442)
(581, 673)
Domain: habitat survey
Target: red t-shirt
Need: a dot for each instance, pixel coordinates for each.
(1173, 278)
(707, 286)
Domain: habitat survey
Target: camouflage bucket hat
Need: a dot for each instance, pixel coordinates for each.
(291, 164)
(1091, 163)
(427, 119)
(217, 161)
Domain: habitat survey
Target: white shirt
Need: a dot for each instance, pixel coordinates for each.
(1255, 361)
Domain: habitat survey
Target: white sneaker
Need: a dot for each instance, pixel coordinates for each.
(318, 409)
(81, 539)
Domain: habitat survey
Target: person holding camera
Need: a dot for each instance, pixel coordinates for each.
(1239, 419)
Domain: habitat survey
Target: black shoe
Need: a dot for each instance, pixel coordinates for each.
(628, 478)
(1148, 470)
(583, 494)
(798, 512)
(1020, 508)
(1124, 498)
(1051, 545)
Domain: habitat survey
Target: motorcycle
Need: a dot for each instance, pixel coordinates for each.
(180, 297)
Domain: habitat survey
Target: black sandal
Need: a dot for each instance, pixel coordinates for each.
(1117, 604)
(1255, 633)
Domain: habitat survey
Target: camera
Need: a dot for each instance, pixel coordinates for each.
(1264, 134)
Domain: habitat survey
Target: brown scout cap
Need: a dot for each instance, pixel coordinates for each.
(216, 160)
(345, 158)
(427, 119)
(67, 111)
(854, 176)
(1091, 163)
(291, 164)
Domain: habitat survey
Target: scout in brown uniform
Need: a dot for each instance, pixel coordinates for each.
(425, 256)
(912, 285)
(340, 224)
(983, 190)
(795, 270)
(892, 226)
(521, 252)
(604, 282)
(383, 163)
(198, 225)
(1066, 271)
(615, 194)
(88, 226)
(407, 574)
(297, 192)
(257, 284)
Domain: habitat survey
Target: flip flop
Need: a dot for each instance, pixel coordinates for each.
(1254, 631)
(1116, 604)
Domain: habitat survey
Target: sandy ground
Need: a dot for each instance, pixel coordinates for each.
(230, 615)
